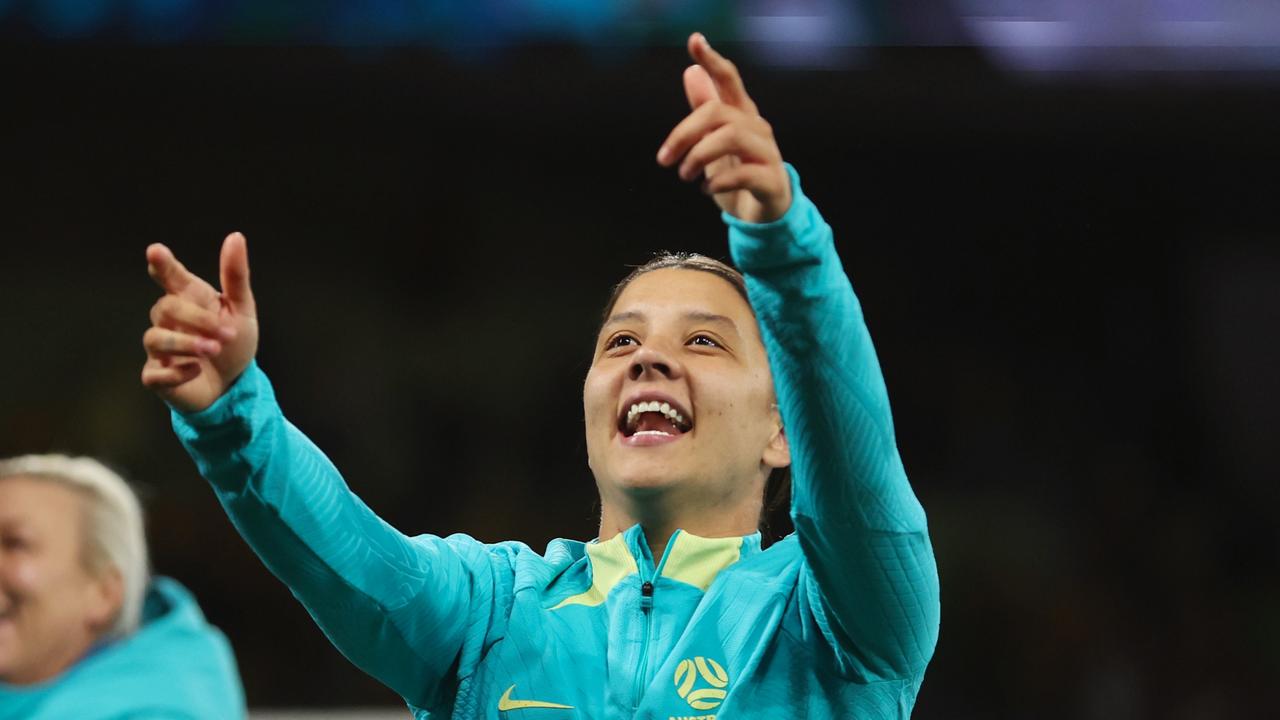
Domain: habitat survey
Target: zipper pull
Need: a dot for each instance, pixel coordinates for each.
(646, 596)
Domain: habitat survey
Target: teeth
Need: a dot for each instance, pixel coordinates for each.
(654, 406)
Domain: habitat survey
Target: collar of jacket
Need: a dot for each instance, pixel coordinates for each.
(689, 558)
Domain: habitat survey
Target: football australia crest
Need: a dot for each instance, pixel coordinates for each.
(701, 681)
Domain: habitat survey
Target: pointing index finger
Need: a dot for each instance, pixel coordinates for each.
(175, 279)
(165, 269)
(722, 71)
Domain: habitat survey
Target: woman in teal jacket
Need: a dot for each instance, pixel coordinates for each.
(673, 611)
(84, 632)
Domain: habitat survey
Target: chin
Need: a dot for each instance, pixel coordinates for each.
(10, 652)
(645, 487)
(642, 481)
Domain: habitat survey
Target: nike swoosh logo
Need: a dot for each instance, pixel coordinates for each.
(506, 703)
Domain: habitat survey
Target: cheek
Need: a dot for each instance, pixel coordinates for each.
(56, 599)
(23, 575)
(27, 581)
(743, 415)
(720, 414)
(598, 398)
(44, 574)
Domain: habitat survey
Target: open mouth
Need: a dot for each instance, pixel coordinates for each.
(654, 417)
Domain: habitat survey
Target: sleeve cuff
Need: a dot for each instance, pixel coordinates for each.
(251, 385)
(759, 246)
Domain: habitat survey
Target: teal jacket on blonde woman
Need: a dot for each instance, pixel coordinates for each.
(175, 667)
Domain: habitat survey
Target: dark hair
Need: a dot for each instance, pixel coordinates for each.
(777, 489)
(679, 261)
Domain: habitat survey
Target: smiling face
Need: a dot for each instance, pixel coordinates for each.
(51, 607)
(687, 340)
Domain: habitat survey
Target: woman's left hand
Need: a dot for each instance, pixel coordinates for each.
(725, 139)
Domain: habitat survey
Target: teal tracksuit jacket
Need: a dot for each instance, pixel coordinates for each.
(175, 667)
(838, 620)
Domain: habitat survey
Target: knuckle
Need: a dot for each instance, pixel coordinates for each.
(172, 309)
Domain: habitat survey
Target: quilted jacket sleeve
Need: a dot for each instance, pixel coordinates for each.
(412, 612)
(871, 580)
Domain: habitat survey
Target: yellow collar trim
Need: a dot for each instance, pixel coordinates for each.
(697, 560)
(611, 561)
(690, 559)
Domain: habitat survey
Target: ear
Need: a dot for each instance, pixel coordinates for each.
(105, 599)
(777, 454)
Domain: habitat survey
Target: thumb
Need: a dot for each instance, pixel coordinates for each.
(234, 272)
(698, 86)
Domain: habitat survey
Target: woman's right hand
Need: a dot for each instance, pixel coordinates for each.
(200, 340)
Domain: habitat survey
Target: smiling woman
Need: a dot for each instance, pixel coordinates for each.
(674, 610)
(779, 478)
(680, 334)
(84, 632)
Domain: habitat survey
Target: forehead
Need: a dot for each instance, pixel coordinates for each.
(682, 290)
(39, 501)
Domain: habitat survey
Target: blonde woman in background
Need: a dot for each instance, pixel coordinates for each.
(85, 631)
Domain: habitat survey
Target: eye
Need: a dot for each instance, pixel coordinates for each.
(704, 340)
(620, 340)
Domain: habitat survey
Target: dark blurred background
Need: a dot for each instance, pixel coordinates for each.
(1062, 221)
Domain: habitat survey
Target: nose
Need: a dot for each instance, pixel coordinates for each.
(650, 362)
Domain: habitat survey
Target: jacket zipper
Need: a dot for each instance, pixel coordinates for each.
(646, 612)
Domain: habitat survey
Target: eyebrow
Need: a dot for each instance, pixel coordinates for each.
(701, 316)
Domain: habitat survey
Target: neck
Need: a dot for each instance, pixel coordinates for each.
(661, 520)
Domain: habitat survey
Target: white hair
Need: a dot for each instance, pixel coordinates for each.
(113, 532)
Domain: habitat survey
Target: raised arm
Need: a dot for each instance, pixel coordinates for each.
(412, 612)
(872, 582)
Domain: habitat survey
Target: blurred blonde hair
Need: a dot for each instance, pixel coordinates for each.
(113, 537)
